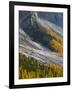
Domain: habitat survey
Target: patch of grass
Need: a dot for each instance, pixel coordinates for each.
(31, 68)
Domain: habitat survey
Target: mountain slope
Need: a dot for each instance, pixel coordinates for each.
(33, 49)
(40, 39)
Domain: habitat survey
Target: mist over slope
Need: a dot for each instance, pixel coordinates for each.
(35, 36)
(56, 18)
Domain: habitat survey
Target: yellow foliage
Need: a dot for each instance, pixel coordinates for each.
(55, 36)
(56, 69)
(57, 47)
(35, 70)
